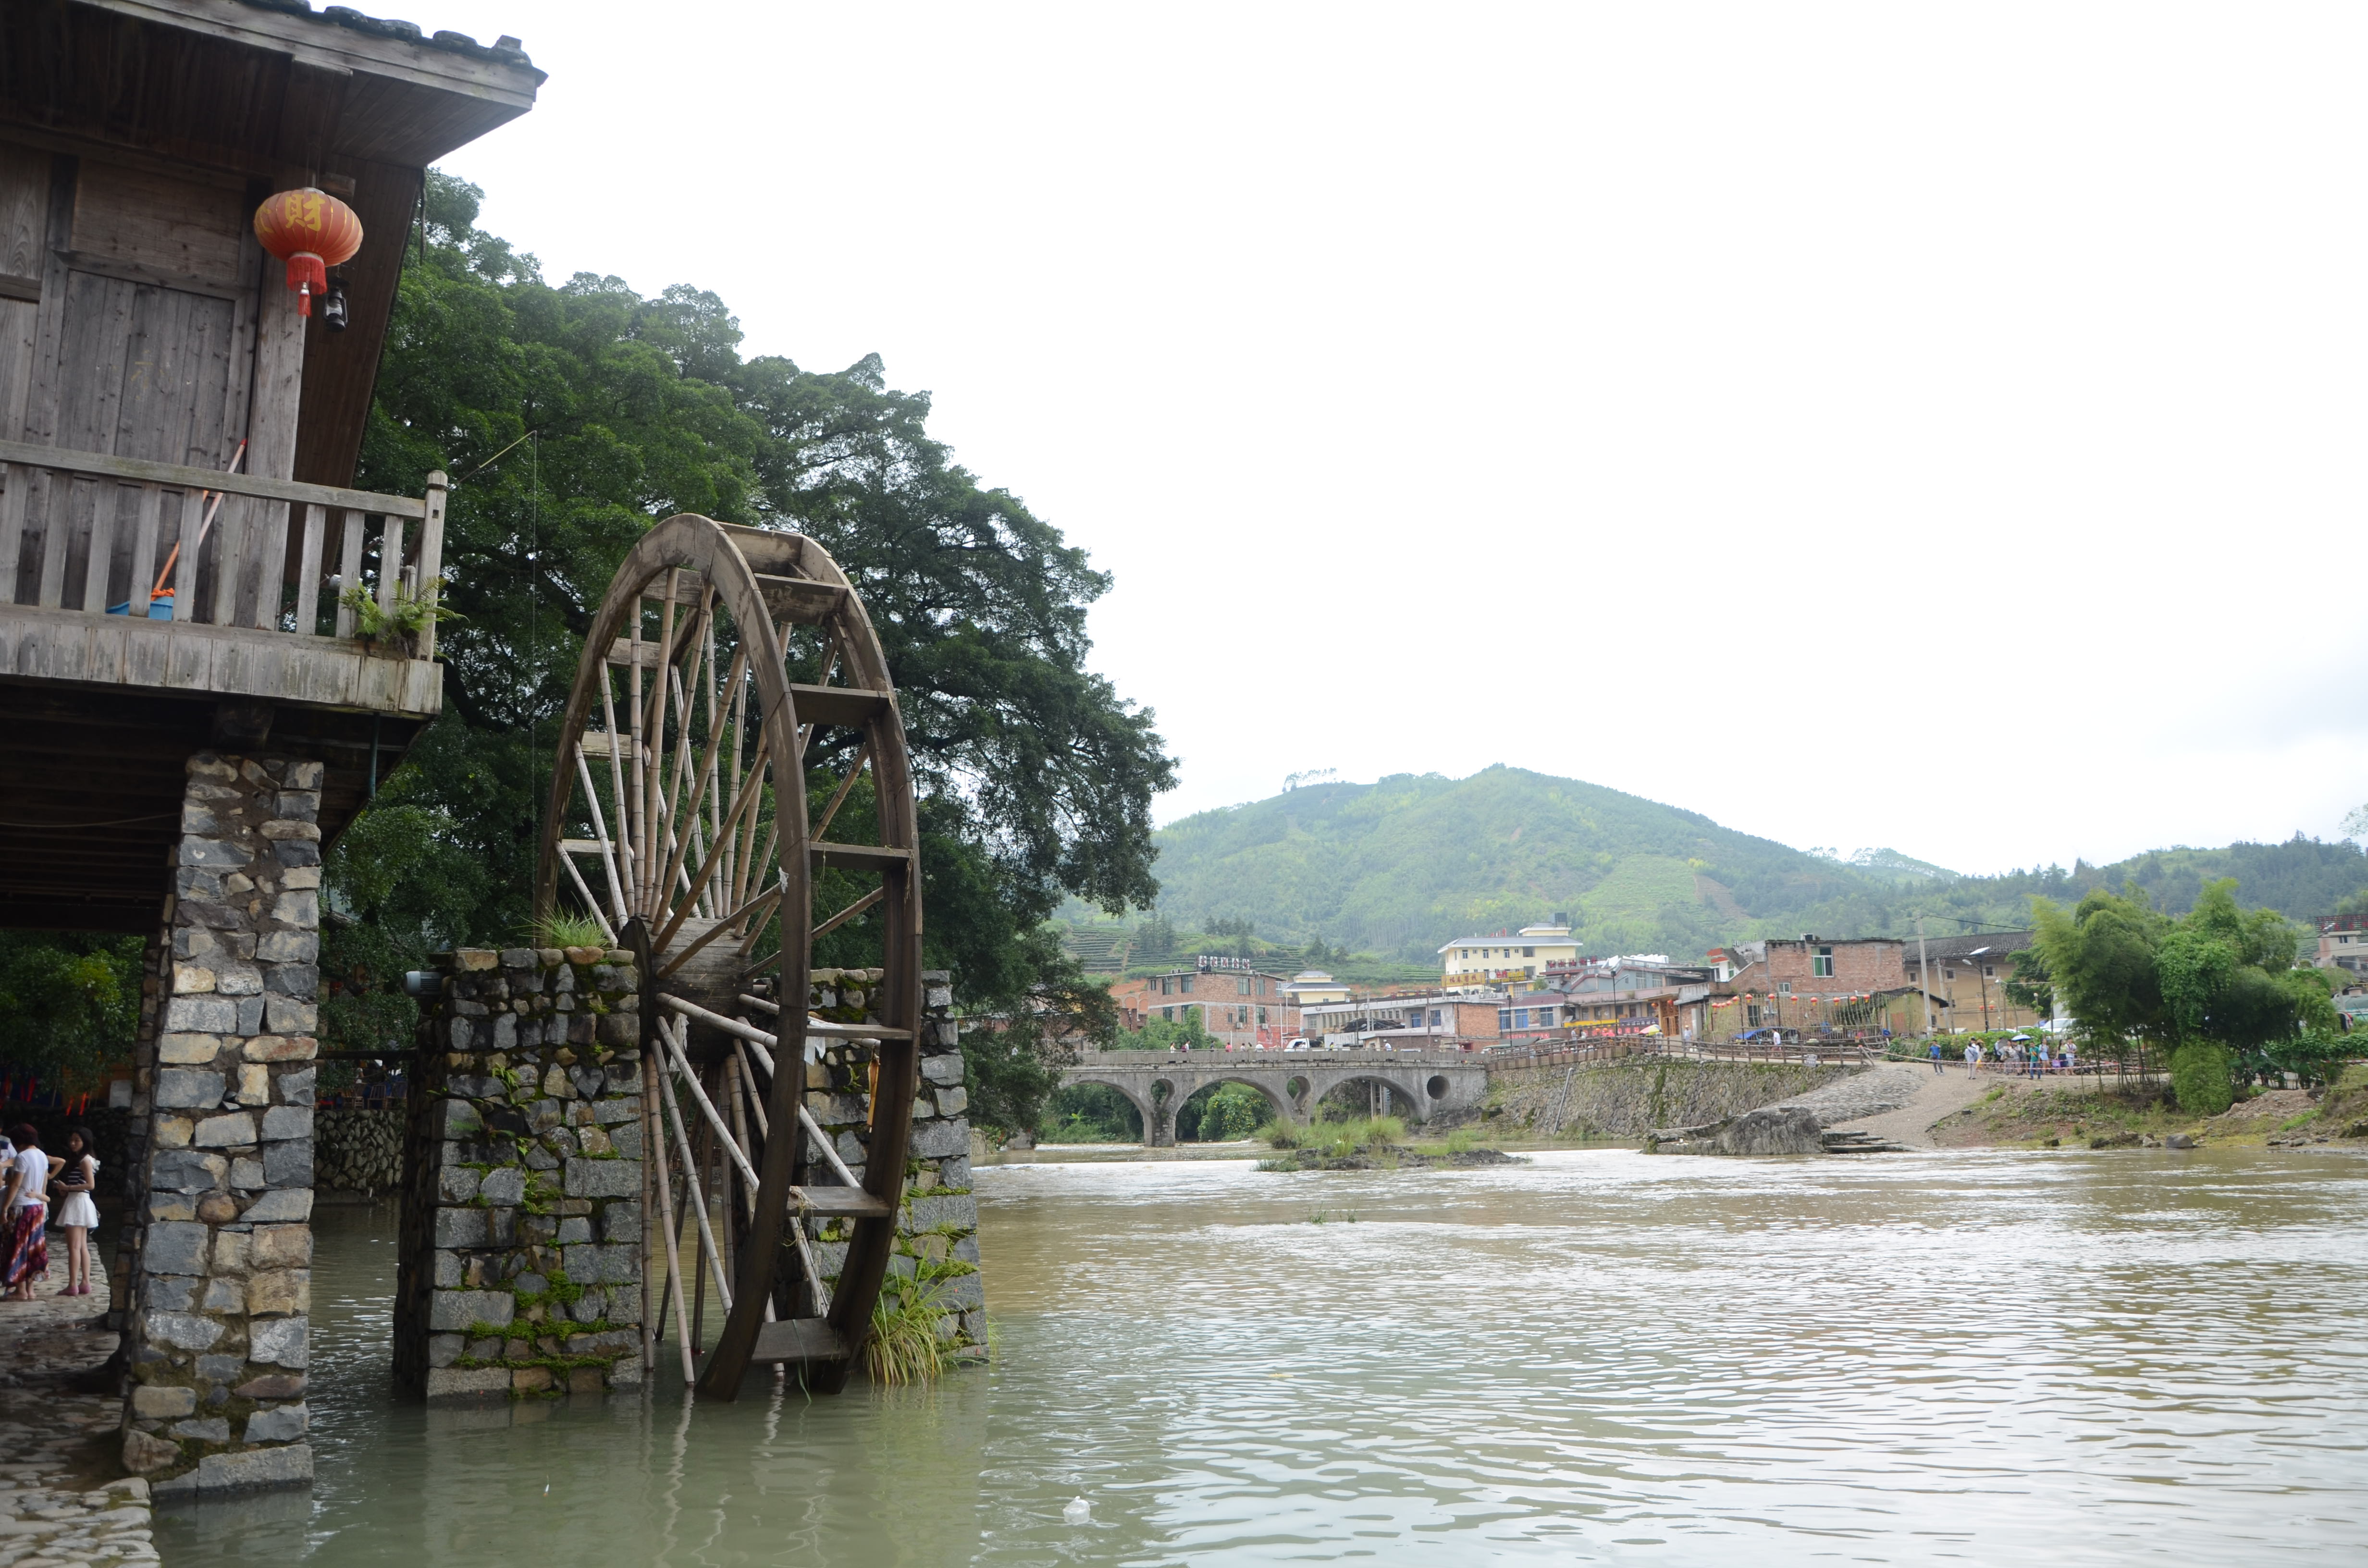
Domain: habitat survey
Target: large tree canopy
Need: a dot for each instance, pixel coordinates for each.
(571, 418)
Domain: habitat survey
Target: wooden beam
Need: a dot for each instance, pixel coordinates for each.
(837, 705)
(137, 471)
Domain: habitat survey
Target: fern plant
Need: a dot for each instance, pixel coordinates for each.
(402, 620)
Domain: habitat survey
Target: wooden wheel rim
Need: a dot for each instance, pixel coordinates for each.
(764, 580)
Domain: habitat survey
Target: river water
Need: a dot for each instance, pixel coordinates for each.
(2141, 1356)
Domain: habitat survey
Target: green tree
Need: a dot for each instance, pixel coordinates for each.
(574, 416)
(2215, 989)
(2028, 985)
(67, 1003)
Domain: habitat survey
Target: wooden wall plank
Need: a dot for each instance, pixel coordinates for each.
(151, 526)
(431, 555)
(41, 421)
(156, 221)
(349, 571)
(24, 210)
(185, 563)
(390, 560)
(99, 553)
(225, 550)
(14, 480)
(308, 572)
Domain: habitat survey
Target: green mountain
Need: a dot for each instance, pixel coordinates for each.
(1399, 867)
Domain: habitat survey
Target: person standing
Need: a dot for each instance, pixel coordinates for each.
(1973, 1057)
(77, 1216)
(25, 1197)
(1935, 1058)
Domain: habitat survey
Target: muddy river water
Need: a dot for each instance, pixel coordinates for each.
(2135, 1356)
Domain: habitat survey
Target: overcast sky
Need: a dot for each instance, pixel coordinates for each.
(1937, 428)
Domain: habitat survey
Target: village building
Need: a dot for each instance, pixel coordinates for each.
(1812, 983)
(1519, 956)
(1429, 1021)
(1245, 1007)
(1313, 985)
(1967, 980)
(2343, 947)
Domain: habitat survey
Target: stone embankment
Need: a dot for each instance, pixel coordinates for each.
(358, 1150)
(1627, 1100)
(55, 1438)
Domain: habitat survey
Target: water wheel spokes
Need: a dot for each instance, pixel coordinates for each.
(679, 821)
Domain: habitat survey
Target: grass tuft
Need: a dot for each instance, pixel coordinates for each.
(567, 928)
(905, 1346)
(1336, 1139)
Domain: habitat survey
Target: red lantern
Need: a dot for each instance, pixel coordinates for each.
(311, 232)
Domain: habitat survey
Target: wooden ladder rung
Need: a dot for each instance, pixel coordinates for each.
(858, 857)
(799, 600)
(600, 742)
(799, 1339)
(621, 652)
(583, 846)
(842, 1202)
(837, 704)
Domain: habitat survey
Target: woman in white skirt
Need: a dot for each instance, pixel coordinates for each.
(76, 1214)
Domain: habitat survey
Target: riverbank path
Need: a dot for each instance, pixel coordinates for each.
(1936, 1095)
(57, 1501)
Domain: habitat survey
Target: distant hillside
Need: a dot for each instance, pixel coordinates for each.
(1398, 867)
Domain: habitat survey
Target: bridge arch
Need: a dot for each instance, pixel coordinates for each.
(1126, 1086)
(1409, 1096)
(1264, 1083)
(1291, 1083)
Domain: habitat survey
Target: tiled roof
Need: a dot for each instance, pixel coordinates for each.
(505, 50)
(1959, 948)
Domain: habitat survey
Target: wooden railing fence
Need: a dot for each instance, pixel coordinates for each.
(113, 536)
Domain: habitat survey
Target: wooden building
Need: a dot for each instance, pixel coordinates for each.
(187, 717)
(148, 344)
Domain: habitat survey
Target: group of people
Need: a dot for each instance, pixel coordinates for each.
(33, 1177)
(2025, 1058)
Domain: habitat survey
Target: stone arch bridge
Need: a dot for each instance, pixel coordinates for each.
(1422, 1084)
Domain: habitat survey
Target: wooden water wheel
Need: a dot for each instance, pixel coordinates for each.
(681, 819)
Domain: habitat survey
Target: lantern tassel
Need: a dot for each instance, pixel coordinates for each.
(308, 274)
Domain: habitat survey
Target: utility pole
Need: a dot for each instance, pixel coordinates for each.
(1923, 974)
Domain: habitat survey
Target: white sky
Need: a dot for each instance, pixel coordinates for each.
(1699, 400)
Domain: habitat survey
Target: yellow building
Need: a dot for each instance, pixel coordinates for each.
(1310, 987)
(1482, 961)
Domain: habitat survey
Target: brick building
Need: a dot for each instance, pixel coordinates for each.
(1245, 1008)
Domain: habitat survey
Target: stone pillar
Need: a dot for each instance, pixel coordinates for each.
(936, 1257)
(217, 1325)
(520, 1270)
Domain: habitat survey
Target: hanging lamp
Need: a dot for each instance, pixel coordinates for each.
(311, 232)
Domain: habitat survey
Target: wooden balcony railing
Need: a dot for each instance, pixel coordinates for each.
(120, 536)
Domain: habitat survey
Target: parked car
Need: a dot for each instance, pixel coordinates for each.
(1298, 1042)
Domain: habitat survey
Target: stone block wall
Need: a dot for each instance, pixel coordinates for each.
(522, 1226)
(935, 1268)
(218, 1295)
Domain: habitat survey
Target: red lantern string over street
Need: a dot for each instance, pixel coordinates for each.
(311, 232)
